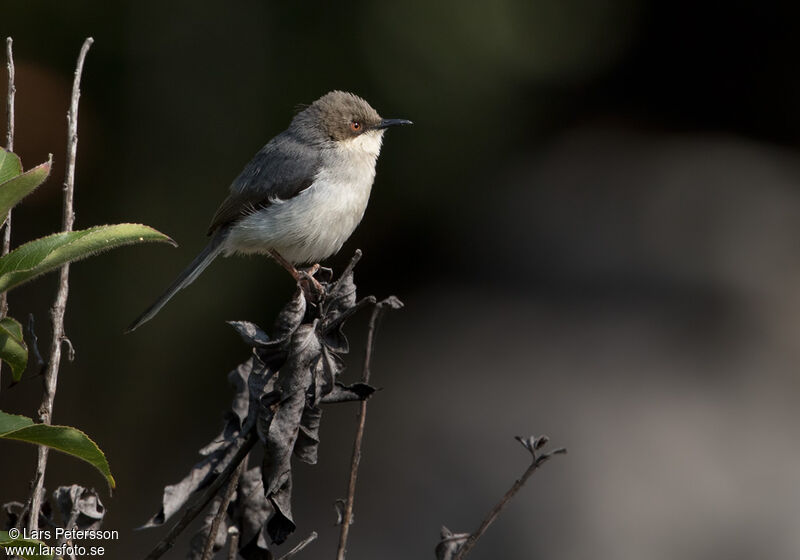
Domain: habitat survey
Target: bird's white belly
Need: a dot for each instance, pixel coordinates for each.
(312, 225)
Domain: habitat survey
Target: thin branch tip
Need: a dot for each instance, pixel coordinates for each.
(532, 444)
(347, 513)
(348, 270)
(304, 543)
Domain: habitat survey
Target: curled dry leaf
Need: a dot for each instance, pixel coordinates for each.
(81, 503)
(449, 544)
(278, 393)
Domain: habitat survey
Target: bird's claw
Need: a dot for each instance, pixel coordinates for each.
(312, 270)
(312, 289)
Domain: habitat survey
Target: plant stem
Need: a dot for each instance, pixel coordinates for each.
(504, 501)
(233, 543)
(208, 551)
(12, 90)
(292, 553)
(347, 516)
(60, 304)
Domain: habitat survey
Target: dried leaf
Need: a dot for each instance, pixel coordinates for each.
(528, 443)
(536, 443)
(341, 296)
(290, 317)
(82, 501)
(449, 544)
(281, 524)
(306, 447)
(277, 393)
(240, 407)
(339, 507)
(202, 474)
(347, 393)
(251, 510)
(17, 513)
(251, 333)
(176, 495)
(392, 302)
(325, 370)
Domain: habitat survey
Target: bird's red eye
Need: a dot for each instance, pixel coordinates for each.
(355, 126)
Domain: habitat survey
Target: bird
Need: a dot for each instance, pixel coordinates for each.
(301, 196)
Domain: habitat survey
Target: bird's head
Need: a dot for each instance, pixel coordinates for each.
(347, 118)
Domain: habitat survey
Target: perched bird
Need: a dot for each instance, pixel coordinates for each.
(302, 195)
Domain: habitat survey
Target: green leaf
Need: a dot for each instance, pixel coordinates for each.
(15, 189)
(61, 438)
(7, 541)
(10, 165)
(49, 253)
(11, 422)
(13, 349)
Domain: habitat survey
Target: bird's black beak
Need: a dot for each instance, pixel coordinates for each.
(386, 123)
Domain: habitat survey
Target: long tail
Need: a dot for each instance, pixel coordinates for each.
(189, 275)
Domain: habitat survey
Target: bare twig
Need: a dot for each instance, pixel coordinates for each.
(233, 542)
(12, 90)
(347, 515)
(208, 551)
(532, 445)
(292, 553)
(348, 269)
(195, 509)
(60, 304)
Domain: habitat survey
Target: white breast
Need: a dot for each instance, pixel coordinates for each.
(315, 224)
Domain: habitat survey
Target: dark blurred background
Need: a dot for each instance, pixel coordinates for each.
(594, 225)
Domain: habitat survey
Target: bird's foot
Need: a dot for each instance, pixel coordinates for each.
(312, 289)
(312, 270)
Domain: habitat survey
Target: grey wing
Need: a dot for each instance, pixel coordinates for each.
(282, 169)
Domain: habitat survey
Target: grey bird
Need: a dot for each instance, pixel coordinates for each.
(301, 196)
